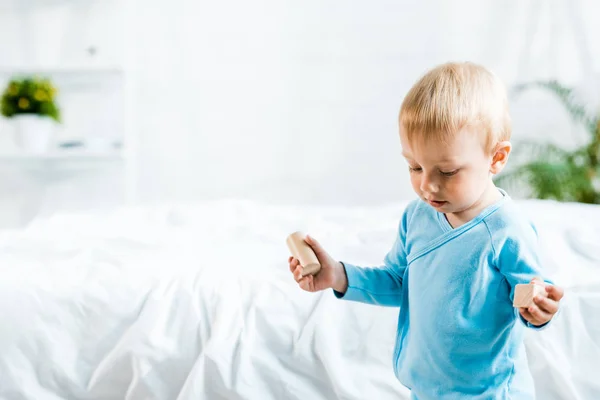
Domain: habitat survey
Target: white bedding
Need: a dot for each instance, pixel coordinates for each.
(197, 303)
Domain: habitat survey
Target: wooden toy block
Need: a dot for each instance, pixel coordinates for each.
(525, 292)
(304, 253)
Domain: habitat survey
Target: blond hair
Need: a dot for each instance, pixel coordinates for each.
(454, 96)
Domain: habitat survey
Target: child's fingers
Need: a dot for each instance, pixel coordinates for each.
(298, 273)
(538, 314)
(529, 316)
(307, 283)
(555, 292)
(316, 246)
(293, 263)
(304, 284)
(546, 305)
(525, 313)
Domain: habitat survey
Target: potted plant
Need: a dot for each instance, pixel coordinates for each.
(551, 172)
(31, 103)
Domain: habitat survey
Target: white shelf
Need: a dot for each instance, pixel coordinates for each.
(61, 156)
(81, 62)
(41, 3)
(57, 166)
(60, 70)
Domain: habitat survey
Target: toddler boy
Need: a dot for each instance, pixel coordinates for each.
(460, 248)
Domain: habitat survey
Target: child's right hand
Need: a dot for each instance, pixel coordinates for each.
(331, 275)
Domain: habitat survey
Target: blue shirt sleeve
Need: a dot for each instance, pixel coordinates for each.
(518, 261)
(380, 285)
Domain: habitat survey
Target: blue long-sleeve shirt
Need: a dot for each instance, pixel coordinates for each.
(458, 334)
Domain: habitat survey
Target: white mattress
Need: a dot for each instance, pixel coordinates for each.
(197, 303)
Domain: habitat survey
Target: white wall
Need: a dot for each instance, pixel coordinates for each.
(285, 101)
(50, 36)
(274, 84)
(282, 101)
(532, 40)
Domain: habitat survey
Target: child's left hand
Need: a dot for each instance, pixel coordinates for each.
(543, 308)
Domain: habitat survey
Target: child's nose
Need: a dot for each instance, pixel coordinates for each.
(428, 185)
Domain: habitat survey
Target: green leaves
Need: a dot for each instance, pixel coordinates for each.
(554, 173)
(30, 96)
(577, 111)
(558, 180)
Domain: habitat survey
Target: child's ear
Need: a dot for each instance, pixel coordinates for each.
(500, 157)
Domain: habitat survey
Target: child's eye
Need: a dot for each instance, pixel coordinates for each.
(414, 169)
(450, 173)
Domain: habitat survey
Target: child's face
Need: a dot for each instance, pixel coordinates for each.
(452, 177)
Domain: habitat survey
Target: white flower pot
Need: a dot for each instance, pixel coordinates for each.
(33, 132)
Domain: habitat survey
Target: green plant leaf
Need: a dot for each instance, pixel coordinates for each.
(550, 172)
(564, 94)
(38, 93)
(553, 174)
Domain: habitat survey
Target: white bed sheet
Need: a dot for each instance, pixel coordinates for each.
(196, 302)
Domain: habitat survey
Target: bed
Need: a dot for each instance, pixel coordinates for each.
(196, 302)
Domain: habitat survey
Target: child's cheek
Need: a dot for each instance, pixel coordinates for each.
(459, 187)
(416, 183)
(454, 184)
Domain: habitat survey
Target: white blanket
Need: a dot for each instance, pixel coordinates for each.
(198, 303)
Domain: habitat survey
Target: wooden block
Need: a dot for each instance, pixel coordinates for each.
(525, 292)
(304, 253)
